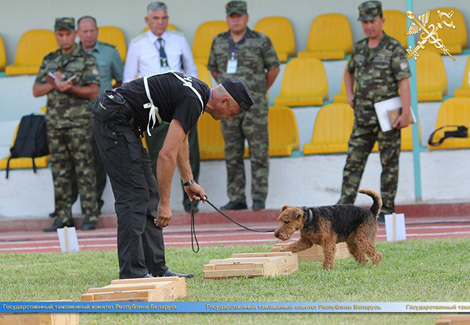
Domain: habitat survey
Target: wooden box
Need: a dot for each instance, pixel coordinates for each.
(453, 320)
(315, 253)
(142, 289)
(251, 265)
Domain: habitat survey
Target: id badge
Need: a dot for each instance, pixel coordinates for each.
(232, 66)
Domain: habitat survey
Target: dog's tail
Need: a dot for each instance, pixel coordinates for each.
(377, 205)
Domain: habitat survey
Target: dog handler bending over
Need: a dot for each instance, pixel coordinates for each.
(120, 117)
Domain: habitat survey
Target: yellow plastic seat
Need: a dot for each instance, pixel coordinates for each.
(3, 56)
(454, 111)
(283, 131)
(114, 36)
(204, 74)
(464, 90)
(24, 163)
(170, 26)
(431, 77)
(454, 39)
(407, 137)
(203, 38)
(211, 140)
(341, 97)
(329, 38)
(33, 46)
(281, 33)
(304, 83)
(332, 129)
(395, 25)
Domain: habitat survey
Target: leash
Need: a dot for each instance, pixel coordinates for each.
(193, 226)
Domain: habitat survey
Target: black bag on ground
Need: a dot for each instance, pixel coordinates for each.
(31, 139)
(460, 132)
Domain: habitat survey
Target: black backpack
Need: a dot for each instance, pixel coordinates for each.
(31, 139)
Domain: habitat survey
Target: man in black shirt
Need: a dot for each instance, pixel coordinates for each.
(119, 119)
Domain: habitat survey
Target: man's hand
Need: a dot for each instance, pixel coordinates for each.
(164, 216)
(63, 86)
(195, 192)
(403, 120)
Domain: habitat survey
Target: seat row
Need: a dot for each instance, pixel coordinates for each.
(329, 38)
(332, 128)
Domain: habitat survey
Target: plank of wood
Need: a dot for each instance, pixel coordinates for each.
(39, 318)
(453, 320)
(130, 287)
(226, 274)
(315, 253)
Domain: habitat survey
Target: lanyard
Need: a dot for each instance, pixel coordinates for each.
(233, 47)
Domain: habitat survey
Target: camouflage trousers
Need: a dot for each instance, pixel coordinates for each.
(361, 142)
(71, 148)
(255, 130)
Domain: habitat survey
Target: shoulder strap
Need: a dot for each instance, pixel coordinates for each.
(461, 132)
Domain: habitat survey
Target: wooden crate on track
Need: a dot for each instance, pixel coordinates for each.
(315, 253)
(250, 265)
(143, 289)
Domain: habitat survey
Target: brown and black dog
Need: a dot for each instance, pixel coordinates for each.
(328, 225)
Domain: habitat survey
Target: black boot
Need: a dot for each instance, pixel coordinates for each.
(58, 224)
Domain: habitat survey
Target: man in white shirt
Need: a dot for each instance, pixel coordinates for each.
(155, 51)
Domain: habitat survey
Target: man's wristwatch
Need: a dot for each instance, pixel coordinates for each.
(191, 181)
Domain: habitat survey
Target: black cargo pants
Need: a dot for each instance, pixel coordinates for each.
(140, 243)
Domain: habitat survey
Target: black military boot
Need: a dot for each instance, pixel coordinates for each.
(58, 224)
(232, 205)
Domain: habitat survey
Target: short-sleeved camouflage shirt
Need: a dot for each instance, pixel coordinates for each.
(376, 74)
(255, 55)
(65, 110)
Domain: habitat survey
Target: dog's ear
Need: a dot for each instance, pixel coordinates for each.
(284, 207)
(300, 214)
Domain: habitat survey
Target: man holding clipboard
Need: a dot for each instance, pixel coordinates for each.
(378, 69)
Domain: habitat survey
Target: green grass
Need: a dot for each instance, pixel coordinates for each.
(431, 270)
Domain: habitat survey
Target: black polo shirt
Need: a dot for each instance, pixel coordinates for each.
(173, 97)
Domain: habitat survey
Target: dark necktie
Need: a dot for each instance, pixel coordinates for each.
(161, 50)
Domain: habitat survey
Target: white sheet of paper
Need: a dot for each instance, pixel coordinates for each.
(72, 244)
(395, 229)
(382, 108)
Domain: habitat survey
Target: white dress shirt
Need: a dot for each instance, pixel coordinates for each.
(143, 58)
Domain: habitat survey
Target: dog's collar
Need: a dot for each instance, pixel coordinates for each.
(308, 216)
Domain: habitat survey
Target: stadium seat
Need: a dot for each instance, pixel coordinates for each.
(281, 33)
(464, 90)
(170, 26)
(341, 96)
(3, 56)
(431, 77)
(329, 38)
(211, 140)
(203, 38)
(304, 83)
(203, 74)
(455, 39)
(395, 25)
(453, 111)
(332, 129)
(23, 163)
(407, 138)
(283, 131)
(114, 36)
(32, 47)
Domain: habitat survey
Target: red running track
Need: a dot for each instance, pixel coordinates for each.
(222, 234)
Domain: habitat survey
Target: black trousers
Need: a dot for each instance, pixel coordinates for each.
(140, 243)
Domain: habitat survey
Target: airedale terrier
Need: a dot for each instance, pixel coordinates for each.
(328, 225)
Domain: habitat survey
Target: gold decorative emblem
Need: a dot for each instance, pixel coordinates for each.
(428, 33)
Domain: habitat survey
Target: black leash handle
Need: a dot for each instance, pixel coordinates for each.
(193, 225)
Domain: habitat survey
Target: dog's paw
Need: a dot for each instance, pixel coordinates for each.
(285, 249)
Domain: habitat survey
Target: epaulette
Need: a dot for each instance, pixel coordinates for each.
(107, 44)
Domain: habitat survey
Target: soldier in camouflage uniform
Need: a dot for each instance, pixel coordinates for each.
(70, 79)
(378, 68)
(250, 56)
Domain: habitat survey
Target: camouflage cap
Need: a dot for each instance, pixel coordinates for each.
(64, 23)
(239, 92)
(235, 7)
(369, 10)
